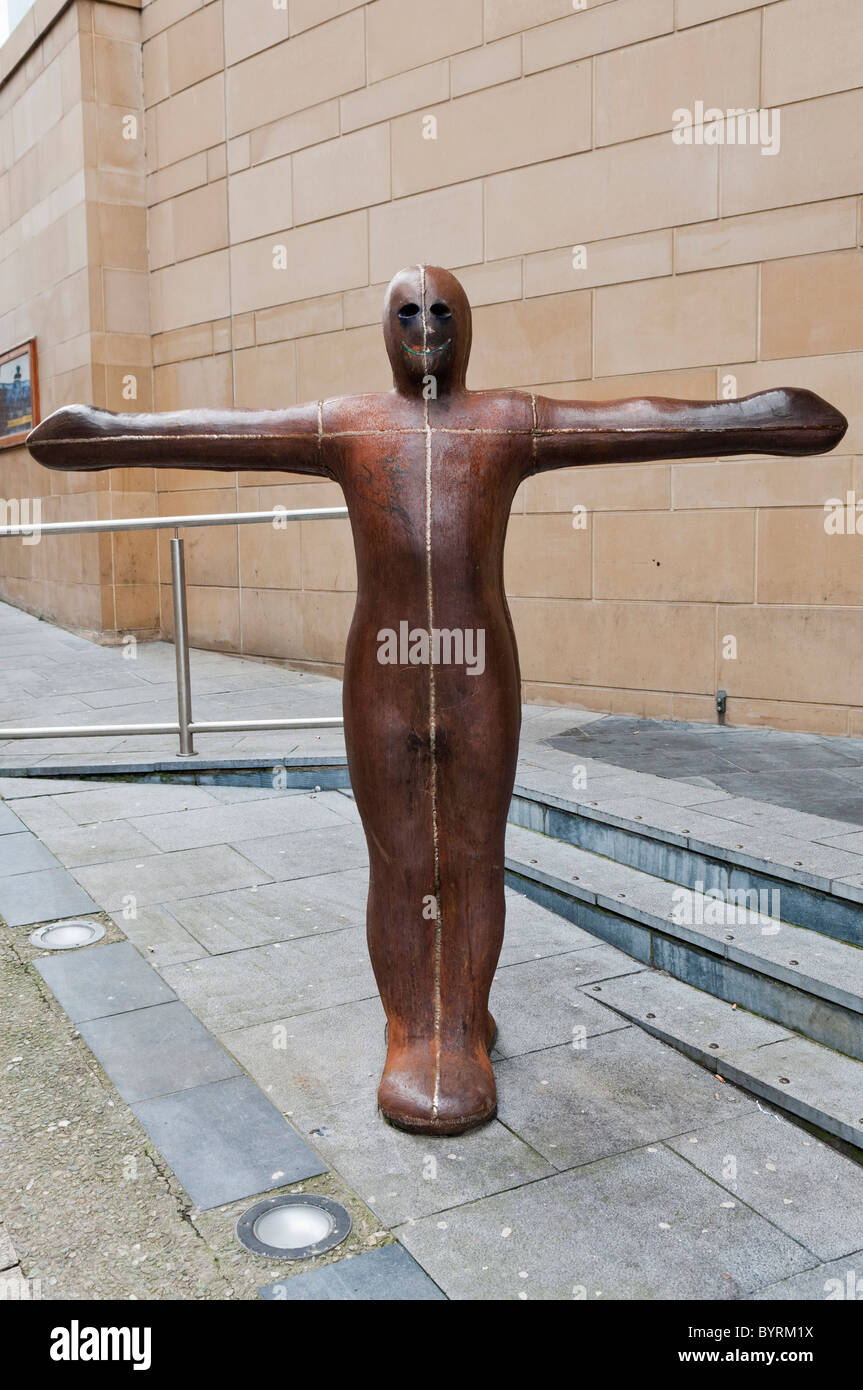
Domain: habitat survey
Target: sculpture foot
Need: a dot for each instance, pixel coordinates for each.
(457, 1096)
(490, 1031)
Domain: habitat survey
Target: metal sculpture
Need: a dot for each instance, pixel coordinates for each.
(431, 687)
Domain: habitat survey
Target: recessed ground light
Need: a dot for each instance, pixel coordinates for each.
(293, 1227)
(65, 936)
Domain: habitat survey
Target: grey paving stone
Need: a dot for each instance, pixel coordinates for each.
(643, 1225)
(163, 878)
(762, 814)
(306, 853)
(225, 1141)
(156, 1051)
(275, 911)
(805, 1188)
(159, 936)
(108, 843)
(102, 980)
(43, 815)
(405, 1176)
(657, 1001)
(532, 932)
(15, 788)
(387, 1275)
(9, 822)
(540, 1003)
(230, 795)
(26, 899)
(820, 1084)
(838, 1281)
(122, 801)
(235, 824)
(270, 982)
(310, 1064)
(22, 853)
(622, 1089)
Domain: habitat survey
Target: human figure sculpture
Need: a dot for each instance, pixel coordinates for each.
(431, 686)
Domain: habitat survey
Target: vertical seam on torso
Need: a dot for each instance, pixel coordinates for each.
(438, 932)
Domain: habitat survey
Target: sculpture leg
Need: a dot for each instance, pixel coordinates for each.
(436, 895)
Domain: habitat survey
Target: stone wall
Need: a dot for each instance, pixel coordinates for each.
(706, 268)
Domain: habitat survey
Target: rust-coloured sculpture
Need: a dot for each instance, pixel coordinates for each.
(431, 689)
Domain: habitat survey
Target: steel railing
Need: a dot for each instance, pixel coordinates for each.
(186, 726)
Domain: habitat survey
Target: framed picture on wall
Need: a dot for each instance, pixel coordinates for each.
(19, 394)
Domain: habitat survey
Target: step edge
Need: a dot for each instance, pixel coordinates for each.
(808, 984)
(736, 1073)
(740, 859)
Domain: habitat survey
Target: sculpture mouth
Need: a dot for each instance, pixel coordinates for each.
(424, 352)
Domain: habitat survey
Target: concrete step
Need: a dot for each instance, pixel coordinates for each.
(805, 883)
(798, 978)
(792, 1073)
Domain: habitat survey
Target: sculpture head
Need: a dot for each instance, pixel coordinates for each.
(427, 330)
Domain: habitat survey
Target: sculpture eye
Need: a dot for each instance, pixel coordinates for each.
(441, 310)
(408, 311)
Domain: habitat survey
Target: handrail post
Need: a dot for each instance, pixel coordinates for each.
(181, 647)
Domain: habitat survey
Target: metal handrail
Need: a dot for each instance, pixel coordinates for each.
(171, 523)
(186, 726)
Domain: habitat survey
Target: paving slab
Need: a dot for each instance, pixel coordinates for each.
(532, 932)
(310, 1064)
(659, 1002)
(388, 1275)
(9, 822)
(811, 1081)
(643, 1225)
(23, 853)
(308, 852)
(617, 1091)
(27, 899)
(804, 1187)
(233, 824)
(168, 877)
(403, 1177)
(225, 1141)
(541, 1003)
(155, 1051)
(128, 799)
(271, 982)
(102, 980)
(158, 936)
(836, 1281)
(108, 843)
(234, 921)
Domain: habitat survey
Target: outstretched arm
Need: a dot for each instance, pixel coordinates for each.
(782, 421)
(81, 438)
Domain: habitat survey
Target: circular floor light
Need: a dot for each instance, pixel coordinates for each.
(293, 1228)
(65, 936)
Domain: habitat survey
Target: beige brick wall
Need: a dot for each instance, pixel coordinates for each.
(303, 127)
(74, 274)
